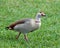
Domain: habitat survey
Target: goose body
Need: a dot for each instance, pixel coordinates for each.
(26, 25)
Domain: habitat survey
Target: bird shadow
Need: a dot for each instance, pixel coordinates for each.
(13, 39)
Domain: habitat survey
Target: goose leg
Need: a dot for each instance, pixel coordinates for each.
(18, 35)
(25, 37)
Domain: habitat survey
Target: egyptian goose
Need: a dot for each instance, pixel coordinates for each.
(26, 25)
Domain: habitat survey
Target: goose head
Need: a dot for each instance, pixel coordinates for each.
(42, 14)
(39, 14)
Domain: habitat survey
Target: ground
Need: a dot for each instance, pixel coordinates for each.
(47, 36)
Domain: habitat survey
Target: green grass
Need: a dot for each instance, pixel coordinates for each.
(48, 36)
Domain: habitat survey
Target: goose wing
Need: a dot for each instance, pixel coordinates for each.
(11, 26)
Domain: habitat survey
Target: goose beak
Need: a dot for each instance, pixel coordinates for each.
(45, 15)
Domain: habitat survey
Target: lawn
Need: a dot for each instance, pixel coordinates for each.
(48, 36)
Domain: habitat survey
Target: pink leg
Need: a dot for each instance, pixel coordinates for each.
(18, 35)
(25, 37)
